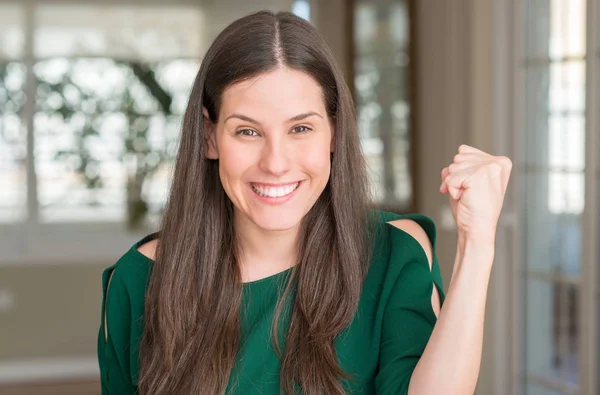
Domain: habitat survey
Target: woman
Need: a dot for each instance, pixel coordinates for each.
(270, 274)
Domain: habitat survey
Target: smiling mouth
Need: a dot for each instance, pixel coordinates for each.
(272, 191)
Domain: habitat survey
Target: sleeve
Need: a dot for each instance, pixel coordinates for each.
(114, 343)
(408, 318)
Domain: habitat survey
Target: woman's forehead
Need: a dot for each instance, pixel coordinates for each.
(282, 92)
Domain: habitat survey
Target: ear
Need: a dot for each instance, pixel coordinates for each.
(210, 137)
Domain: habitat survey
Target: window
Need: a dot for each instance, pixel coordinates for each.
(566, 106)
(91, 100)
(112, 83)
(554, 138)
(301, 8)
(381, 82)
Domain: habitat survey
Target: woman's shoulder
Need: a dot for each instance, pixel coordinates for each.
(402, 240)
(148, 248)
(403, 253)
(130, 272)
(404, 267)
(413, 233)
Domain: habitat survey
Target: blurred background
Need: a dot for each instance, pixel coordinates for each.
(91, 98)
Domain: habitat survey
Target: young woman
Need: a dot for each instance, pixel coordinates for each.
(270, 274)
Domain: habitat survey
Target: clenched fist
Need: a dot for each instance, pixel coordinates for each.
(476, 183)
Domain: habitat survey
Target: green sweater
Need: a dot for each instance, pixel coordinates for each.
(379, 349)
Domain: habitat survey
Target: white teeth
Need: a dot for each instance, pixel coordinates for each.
(274, 191)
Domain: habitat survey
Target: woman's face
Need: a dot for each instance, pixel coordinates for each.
(273, 140)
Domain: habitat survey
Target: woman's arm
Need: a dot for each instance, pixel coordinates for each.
(451, 360)
(476, 183)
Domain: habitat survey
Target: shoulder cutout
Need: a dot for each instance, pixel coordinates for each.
(149, 249)
(418, 233)
(415, 230)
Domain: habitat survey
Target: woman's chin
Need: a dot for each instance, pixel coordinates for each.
(274, 223)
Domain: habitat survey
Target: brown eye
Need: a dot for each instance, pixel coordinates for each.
(246, 133)
(300, 129)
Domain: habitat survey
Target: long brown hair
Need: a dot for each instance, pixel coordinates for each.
(192, 311)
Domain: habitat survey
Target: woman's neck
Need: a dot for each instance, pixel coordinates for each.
(263, 252)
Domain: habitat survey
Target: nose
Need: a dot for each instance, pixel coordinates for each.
(275, 157)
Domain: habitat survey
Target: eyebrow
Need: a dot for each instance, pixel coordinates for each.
(296, 118)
